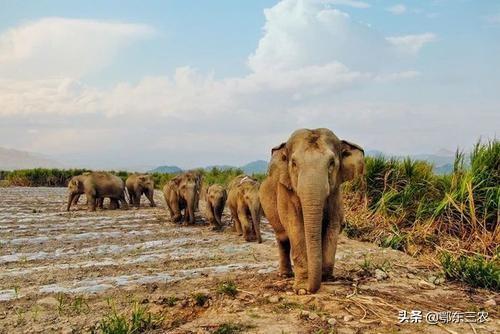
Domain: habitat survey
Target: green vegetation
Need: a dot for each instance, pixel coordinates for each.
(229, 328)
(140, 321)
(227, 288)
(477, 271)
(463, 204)
(200, 298)
(414, 210)
(44, 177)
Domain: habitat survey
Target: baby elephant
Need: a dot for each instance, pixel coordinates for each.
(215, 198)
(243, 201)
(139, 184)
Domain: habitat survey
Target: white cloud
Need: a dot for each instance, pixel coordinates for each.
(309, 58)
(63, 47)
(398, 9)
(303, 33)
(351, 3)
(412, 43)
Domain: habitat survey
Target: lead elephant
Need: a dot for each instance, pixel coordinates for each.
(301, 198)
(97, 185)
(182, 193)
(244, 204)
(138, 185)
(215, 197)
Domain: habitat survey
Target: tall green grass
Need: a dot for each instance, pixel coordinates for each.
(466, 199)
(46, 177)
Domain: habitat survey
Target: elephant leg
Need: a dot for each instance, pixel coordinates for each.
(296, 234)
(150, 196)
(75, 199)
(123, 201)
(137, 198)
(210, 213)
(246, 225)
(91, 202)
(175, 213)
(218, 214)
(100, 202)
(285, 267)
(329, 244)
(237, 223)
(113, 204)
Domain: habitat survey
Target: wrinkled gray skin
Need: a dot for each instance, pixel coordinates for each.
(244, 203)
(138, 185)
(97, 185)
(301, 198)
(182, 193)
(215, 198)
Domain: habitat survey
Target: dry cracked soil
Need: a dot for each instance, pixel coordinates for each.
(62, 272)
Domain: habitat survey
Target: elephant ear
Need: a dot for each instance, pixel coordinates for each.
(279, 160)
(353, 161)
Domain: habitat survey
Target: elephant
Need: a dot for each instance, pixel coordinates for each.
(182, 193)
(96, 186)
(244, 204)
(139, 184)
(100, 201)
(301, 198)
(215, 198)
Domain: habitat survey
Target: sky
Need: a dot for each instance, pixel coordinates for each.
(129, 84)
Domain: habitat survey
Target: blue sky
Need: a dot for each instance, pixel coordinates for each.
(126, 83)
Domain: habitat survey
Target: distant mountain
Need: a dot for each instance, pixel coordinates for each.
(258, 166)
(166, 170)
(14, 159)
(254, 167)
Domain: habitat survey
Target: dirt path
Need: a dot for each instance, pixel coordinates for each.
(62, 272)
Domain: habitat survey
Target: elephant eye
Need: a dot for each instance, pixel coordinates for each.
(294, 163)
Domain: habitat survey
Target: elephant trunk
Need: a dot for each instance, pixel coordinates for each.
(312, 194)
(71, 198)
(190, 207)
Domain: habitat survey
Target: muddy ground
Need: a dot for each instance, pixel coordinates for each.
(63, 272)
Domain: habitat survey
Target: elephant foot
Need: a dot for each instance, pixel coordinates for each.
(327, 276)
(300, 287)
(285, 274)
(216, 228)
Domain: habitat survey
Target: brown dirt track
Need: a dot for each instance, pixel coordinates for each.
(60, 272)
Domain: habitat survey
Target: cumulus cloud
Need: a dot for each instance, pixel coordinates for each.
(309, 57)
(63, 47)
(412, 43)
(398, 9)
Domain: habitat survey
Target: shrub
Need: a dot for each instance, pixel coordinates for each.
(227, 288)
(140, 321)
(476, 270)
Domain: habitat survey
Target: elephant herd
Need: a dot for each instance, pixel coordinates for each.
(300, 197)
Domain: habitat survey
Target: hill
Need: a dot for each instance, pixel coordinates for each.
(14, 159)
(166, 170)
(254, 167)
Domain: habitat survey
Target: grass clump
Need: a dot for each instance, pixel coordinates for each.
(200, 298)
(227, 288)
(477, 271)
(228, 328)
(139, 321)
